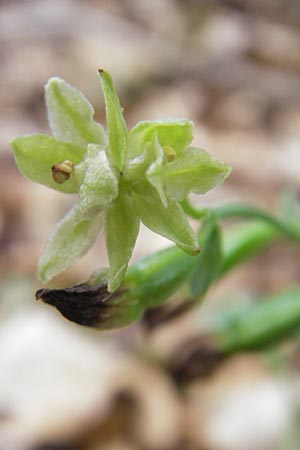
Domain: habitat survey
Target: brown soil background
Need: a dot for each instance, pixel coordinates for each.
(233, 67)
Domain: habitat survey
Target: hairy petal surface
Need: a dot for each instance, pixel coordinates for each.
(117, 130)
(193, 171)
(73, 237)
(36, 154)
(100, 185)
(172, 133)
(170, 221)
(122, 228)
(70, 114)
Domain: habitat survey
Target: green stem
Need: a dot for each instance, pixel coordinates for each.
(152, 280)
(244, 211)
(244, 241)
(251, 212)
(155, 278)
(193, 211)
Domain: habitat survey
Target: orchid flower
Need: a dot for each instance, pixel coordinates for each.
(121, 177)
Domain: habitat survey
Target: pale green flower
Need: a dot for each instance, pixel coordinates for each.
(122, 178)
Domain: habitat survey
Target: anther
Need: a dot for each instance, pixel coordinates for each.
(170, 153)
(61, 171)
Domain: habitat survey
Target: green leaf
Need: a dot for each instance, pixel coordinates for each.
(169, 221)
(73, 237)
(175, 134)
(117, 131)
(100, 185)
(36, 154)
(155, 173)
(260, 324)
(210, 260)
(70, 114)
(193, 171)
(122, 228)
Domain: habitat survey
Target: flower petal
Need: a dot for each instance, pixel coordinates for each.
(70, 114)
(122, 228)
(36, 154)
(193, 171)
(169, 221)
(100, 185)
(117, 131)
(72, 238)
(155, 173)
(175, 134)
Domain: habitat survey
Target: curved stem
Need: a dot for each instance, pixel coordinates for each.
(252, 212)
(244, 211)
(193, 211)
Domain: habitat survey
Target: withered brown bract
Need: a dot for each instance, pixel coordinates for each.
(83, 304)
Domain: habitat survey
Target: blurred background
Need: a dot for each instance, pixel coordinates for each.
(232, 67)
